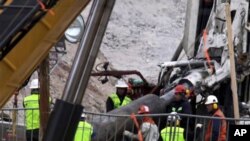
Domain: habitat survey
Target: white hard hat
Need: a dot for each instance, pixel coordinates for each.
(173, 116)
(121, 84)
(83, 115)
(34, 84)
(211, 99)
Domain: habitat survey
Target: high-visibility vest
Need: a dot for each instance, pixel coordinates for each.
(84, 131)
(117, 102)
(32, 116)
(172, 134)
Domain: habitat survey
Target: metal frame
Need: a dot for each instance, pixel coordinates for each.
(24, 58)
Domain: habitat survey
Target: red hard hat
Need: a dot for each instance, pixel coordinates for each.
(143, 109)
(180, 89)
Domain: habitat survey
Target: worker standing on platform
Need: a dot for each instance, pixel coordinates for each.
(119, 98)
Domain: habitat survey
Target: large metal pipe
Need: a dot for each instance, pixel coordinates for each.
(83, 51)
(191, 63)
(103, 14)
(189, 38)
(109, 129)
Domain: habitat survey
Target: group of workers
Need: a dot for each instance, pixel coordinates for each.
(215, 131)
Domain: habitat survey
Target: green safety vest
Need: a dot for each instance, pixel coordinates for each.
(84, 131)
(32, 116)
(117, 102)
(176, 134)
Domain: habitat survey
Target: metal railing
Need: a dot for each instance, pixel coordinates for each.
(12, 125)
(110, 127)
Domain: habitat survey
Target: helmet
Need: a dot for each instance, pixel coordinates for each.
(121, 84)
(243, 106)
(83, 115)
(173, 117)
(143, 109)
(180, 89)
(34, 84)
(211, 99)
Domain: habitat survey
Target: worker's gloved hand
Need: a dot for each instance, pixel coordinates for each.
(126, 133)
(198, 125)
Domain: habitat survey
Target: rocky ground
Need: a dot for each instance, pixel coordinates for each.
(96, 93)
(143, 33)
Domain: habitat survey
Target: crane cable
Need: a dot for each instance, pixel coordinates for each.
(43, 7)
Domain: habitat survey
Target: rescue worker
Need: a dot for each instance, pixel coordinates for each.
(216, 128)
(32, 116)
(173, 131)
(148, 128)
(119, 98)
(84, 130)
(181, 105)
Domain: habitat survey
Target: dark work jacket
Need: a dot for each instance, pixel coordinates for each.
(110, 104)
(183, 107)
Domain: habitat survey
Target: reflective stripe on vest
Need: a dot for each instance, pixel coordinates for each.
(83, 132)
(172, 134)
(223, 127)
(32, 116)
(178, 110)
(117, 102)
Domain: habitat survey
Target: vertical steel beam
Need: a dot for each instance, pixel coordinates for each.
(192, 13)
(83, 51)
(104, 15)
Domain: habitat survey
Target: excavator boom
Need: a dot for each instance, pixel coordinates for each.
(26, 55)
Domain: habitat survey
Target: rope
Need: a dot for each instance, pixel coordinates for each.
(206, 50)
(43, 7)
(133, 117)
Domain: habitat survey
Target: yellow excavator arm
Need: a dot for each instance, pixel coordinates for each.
(19, 63)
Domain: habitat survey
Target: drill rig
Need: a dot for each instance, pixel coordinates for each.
(208, 68)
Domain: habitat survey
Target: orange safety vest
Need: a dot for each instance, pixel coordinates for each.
(223, 127)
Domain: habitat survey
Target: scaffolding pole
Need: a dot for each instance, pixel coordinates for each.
(44, 96)
(232, 62)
